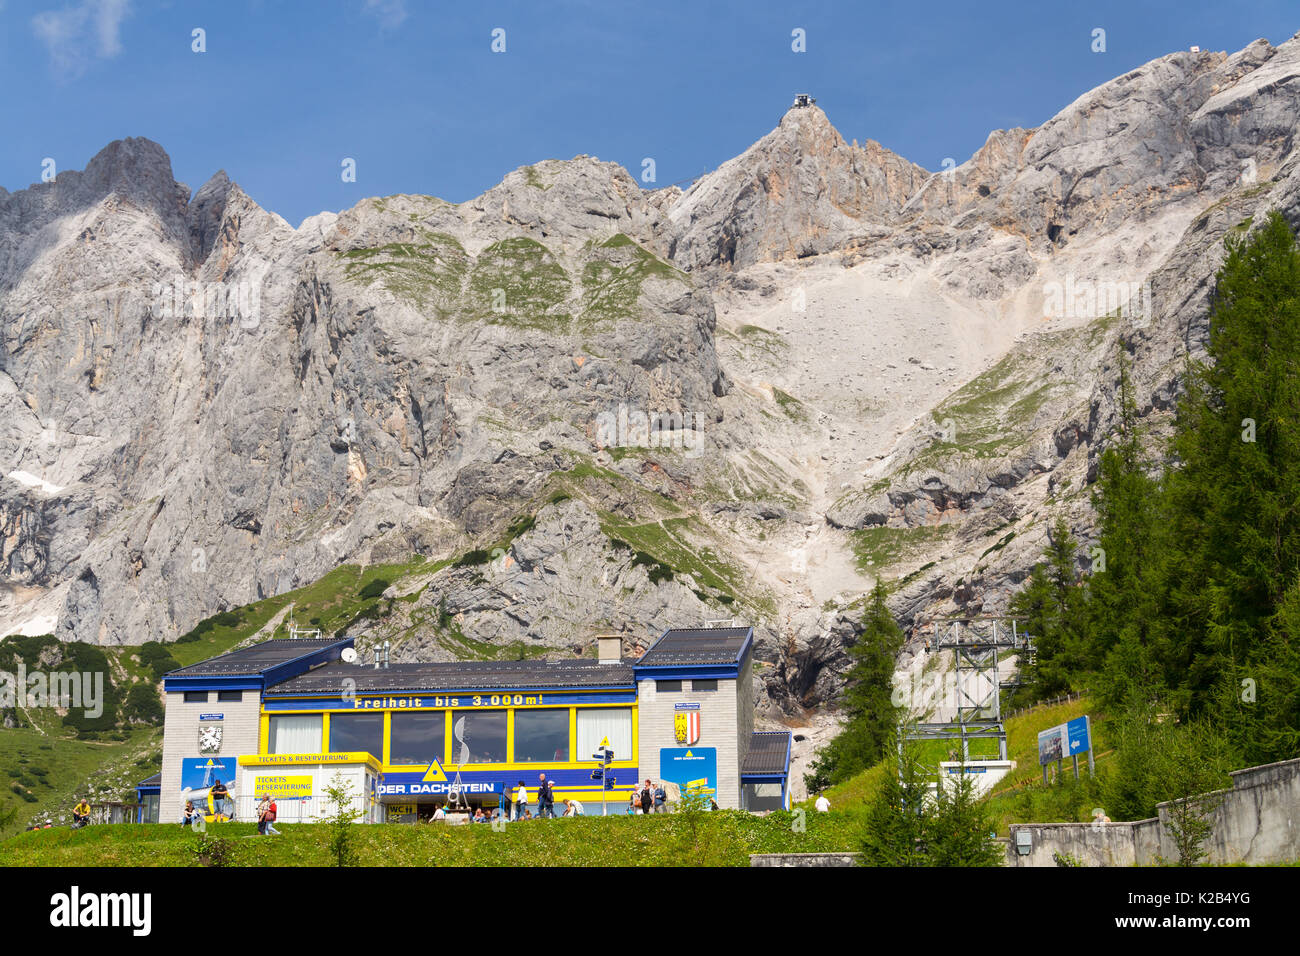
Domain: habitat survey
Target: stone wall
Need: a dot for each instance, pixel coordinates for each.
(804, 859)
(1257, 821)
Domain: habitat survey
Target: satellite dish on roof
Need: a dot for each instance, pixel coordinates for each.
(349, 655)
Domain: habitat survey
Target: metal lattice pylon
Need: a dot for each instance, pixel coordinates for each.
(978, 645)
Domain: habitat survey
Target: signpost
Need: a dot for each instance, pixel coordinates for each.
(605, 754)
(1071, 738)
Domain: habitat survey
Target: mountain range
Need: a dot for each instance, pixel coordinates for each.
(573, 405)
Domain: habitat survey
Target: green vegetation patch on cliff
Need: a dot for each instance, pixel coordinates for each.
(883, 546)
(613, 278)
(518, 282)
(428, 273)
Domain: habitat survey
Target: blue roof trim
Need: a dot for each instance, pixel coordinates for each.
(211, 683)
(687, 671)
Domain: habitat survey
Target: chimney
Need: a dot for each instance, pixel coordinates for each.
(609, 648)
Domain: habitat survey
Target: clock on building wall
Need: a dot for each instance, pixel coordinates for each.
(210, 739)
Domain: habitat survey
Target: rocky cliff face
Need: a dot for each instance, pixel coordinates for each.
(596, 408)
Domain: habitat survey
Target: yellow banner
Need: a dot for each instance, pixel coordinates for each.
(300, 760)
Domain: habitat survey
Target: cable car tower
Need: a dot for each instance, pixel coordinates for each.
(979, 646)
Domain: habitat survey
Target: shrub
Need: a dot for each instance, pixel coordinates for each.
(373, 590)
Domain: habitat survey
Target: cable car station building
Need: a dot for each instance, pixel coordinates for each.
(284, 717)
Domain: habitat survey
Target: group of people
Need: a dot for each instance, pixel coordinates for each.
(650, 798)
(266, 816)
(219, 803)
(518, 808)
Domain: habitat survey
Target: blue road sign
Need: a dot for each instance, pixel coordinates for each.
(1079, 734)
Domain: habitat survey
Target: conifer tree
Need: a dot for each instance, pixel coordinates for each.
(871, 715)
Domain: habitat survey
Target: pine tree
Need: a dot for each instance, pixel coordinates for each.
(1050, 606)
(961, 830)
(1121, 592)
(871, 716)
(906, 826)
(897, 816)
(1234, 497)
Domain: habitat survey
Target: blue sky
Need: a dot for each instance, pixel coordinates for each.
(414, 93)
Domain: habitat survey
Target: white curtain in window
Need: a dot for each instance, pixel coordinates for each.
(597, 723)
(296, 734)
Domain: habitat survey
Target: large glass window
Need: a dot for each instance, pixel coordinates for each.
(295, 734)
(541, 735)
(478, 736)
(415, 737)
(597, 723)
(357, 733)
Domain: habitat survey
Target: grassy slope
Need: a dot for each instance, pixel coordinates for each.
(66, 762)
(1008, 802)
(725, 838)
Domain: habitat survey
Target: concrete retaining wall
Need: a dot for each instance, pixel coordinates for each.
(1258, 821)
(804, 859)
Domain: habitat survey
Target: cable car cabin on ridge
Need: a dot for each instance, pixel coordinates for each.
(287, 718)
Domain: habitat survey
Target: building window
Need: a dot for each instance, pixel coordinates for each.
(668, 686)
(478, 736)
(233, 696)
(149, 808)
(541, 736)
(295, 734)
(417, 738)
(597, 723)
(704, 685)
(196, 697)
(357, 733)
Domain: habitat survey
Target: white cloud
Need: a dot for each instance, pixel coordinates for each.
(78, 35)
(389, 13)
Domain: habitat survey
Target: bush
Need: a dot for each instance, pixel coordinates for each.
(89, 659)
(157, 658)
(374, 589)
(142, 705)
(210, 850)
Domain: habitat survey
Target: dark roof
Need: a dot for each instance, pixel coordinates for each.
(154, 781)
(459, 675)
(254, 660)
(701, 645)
(768, 751)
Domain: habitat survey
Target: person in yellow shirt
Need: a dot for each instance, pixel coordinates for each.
(80, 814)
